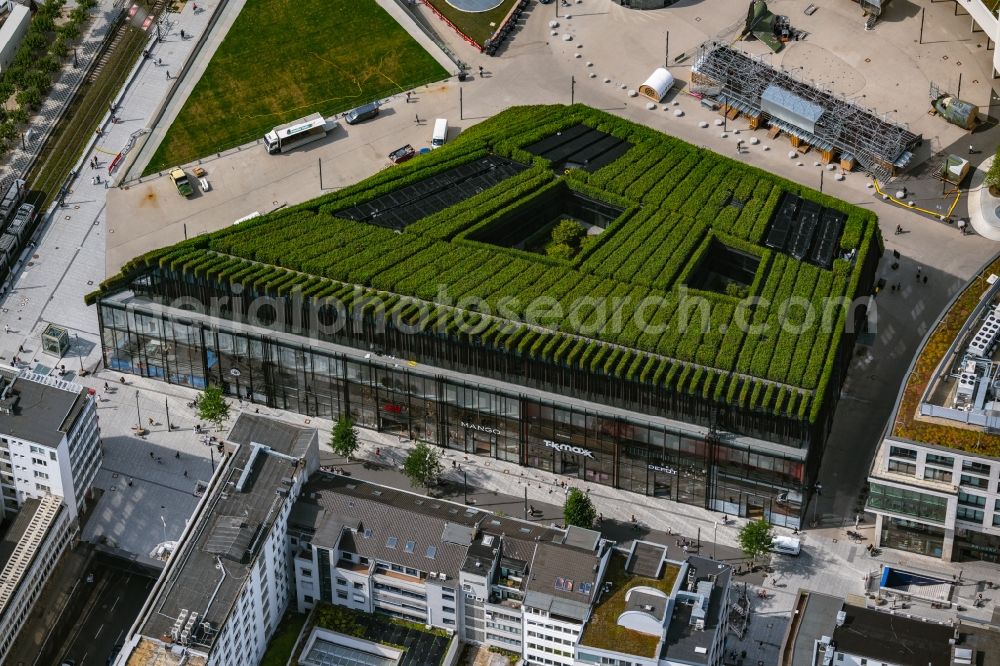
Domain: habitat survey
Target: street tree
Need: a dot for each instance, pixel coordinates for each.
(211, 406)
(578, 509)
(344, 438)
(422, 466)
(755, 539)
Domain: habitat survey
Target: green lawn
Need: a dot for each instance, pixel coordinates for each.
(475, 24)
(280, 647)
(283, 60)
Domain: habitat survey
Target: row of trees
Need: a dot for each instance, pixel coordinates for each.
(29, 77)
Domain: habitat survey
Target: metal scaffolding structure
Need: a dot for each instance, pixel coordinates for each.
(738, 80)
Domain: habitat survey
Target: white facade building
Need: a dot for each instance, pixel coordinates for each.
(49, 440)
(32, 546)
(227, 587)
(15, 21)
(502, 582)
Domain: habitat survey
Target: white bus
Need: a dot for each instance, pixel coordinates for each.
(297, 133)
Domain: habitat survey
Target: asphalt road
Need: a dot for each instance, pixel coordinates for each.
(109, 606)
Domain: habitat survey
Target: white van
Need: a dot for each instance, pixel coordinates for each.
(786, 545)
(440, 133)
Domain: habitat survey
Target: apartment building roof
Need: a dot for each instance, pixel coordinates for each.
(39, 408)
(882, 636)
(686, 641)
(430, 534)
(20, 546)
(207, 574)
(949, 398)
(879, 636)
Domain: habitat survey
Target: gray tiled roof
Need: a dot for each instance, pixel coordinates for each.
(552, 562)
(347, 501)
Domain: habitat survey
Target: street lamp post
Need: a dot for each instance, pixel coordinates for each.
(138, 414)
(572, 89)
(166, 408)
(164, 521)
(816, 496)
(715, 539)
(465, 485)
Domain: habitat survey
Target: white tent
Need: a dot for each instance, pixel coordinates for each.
(657, 85)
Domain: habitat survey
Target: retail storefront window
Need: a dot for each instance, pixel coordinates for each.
(912, 537)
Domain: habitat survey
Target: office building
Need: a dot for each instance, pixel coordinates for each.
(825, 630)
(225, 589)
(934, 484)
(32, 546)
(49, 440)
(333, 308)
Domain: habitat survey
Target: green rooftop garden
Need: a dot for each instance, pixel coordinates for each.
(675, 206)
(603, 631)
(908, 423)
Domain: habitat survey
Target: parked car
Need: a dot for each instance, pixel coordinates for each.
(400, 155)
(362, 113)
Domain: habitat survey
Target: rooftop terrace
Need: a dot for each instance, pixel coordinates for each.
(603, 631)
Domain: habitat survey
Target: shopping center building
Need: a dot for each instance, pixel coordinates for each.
(318, 317)
(935, 480)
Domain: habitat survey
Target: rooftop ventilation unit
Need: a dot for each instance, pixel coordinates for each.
(841, 618)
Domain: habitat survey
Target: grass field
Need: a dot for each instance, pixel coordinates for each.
(283, 60)
(476, 24)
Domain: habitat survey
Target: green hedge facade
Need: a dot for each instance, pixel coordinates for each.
(778, 384)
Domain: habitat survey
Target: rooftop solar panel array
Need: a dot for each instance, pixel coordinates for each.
(580, 147)
(806, 230)
(401, 208)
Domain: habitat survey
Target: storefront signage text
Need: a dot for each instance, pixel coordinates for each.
(568, 448)
(481, 428)
(665, 470)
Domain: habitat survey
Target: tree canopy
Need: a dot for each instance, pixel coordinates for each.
(755, 538)
(212, 406)
(344, 438)
(422, 466)
(578, 509)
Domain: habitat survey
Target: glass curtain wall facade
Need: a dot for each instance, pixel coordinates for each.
(395, 396)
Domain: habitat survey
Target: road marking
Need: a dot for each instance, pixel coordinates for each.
(114, 604)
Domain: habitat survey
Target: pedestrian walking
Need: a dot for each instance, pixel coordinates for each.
(6, 328)
(925, 279)
(130, 482)
(407, 98)
(972, 149)
(150, 420)
(151, 455)
(159, 62)
(480, 71)
(857, 519)
(185, 473)
(168, 74)
(177, 454)
(183, 36)
(416, 118)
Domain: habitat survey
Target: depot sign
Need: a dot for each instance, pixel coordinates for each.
(568, 448)
(665, 470)
(480, 428)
